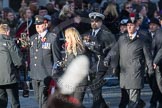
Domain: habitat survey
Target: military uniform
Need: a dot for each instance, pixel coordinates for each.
(10, 57)
(44, 53)
(101, 43)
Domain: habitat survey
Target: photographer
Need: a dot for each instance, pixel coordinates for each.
(10, 58)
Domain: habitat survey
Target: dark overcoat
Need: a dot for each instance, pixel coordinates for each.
(157, 47)
(104, 41)
(133, 54)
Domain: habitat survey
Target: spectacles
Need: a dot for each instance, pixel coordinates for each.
(129, 7)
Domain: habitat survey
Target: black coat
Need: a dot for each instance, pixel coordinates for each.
(132, 55)
(43, 56)
(157, 47)
(104, 41)
(69, 58)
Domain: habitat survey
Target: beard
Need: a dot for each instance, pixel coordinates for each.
(94, 26)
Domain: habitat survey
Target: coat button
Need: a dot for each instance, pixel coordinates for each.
(36, 50)
(35, 64)
(35, 57)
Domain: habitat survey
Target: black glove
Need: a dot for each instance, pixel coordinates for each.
(151, 72)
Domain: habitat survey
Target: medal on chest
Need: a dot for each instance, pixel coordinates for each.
(46, 45)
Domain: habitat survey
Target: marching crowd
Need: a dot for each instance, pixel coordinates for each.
(69, 45)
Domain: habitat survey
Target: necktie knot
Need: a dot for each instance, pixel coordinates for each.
(130, 36)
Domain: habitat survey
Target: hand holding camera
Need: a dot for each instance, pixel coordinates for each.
(24, 40)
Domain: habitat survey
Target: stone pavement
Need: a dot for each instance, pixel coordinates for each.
(111, 95)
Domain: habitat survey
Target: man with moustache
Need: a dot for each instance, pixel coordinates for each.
(100, 42)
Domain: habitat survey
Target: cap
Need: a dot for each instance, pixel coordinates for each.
(96, 15)
(155, 21)
(123, 22)
(47, 17)
(39, 19)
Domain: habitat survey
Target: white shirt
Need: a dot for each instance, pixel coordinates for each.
(43, 34)
(96, 31)
(133, 35)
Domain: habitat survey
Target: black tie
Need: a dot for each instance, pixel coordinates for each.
(93, 33)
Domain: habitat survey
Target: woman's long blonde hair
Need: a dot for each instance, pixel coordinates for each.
(65, 11)
(75, 44)
(111, 9)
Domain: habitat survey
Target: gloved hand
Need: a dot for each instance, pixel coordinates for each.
(106, 63)
(151, 72)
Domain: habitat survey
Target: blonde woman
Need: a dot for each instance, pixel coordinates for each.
(73, 42)
(111, 17)
(73, 48)
(65, 12)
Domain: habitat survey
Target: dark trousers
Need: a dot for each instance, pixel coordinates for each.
(38, 87)
(96, 89)
(124, 98)
(131, 98)
(155, 83)
(10, 90)
(135, 100)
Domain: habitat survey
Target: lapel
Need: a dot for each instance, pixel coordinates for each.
(98, 35)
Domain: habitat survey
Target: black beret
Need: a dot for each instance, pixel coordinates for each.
(155, 21)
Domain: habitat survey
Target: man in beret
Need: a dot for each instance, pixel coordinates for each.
(154, 25)
(155, 81)
(122, 28)
(44, 53)
(132, 53)
(103, 41)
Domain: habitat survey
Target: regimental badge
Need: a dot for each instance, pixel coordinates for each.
(46, 45)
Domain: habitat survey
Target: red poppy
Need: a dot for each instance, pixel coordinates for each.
(43, 39)
(131, 15)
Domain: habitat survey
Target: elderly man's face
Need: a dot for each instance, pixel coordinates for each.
(153, 27)
(131, 28)
(95, 24)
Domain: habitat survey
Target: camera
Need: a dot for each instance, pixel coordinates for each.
(24, 40)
